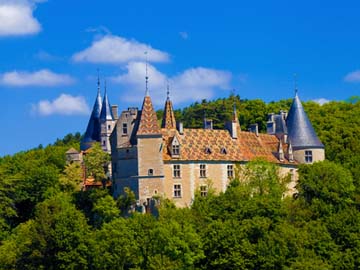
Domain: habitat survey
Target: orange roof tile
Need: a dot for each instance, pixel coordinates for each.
(247, 146)
(148, 119)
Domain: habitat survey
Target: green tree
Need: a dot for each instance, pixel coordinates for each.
(96, 162)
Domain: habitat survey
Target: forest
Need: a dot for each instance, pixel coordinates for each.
(47, 222)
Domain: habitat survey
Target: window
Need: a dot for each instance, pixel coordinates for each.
(104, 143)
(176, 149)
(150, 172)
(202, 170)
(176, 171)
(109, 127)
(177, 191)
(207, 150)
(223, 151)
(203, 190)
(124, 128)
(230, 171)
(308, 156)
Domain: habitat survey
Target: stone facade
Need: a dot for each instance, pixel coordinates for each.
(177, 162)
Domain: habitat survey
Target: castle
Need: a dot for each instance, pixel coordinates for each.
(174, 161)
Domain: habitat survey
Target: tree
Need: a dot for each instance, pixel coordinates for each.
(72, 177)
(96, 162)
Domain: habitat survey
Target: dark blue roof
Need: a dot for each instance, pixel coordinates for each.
(106, 113)
(300, 131)
(93, 128)
(280, 125)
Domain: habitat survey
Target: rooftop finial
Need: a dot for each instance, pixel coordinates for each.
(105, 85)
(295, 83)
(167, 90)
(98, 81)
(146, 74)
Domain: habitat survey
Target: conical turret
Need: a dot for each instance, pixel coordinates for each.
(92, 133)
(168, 120)
(300, 131)
(106, 113)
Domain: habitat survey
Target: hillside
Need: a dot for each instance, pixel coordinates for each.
(47, 223)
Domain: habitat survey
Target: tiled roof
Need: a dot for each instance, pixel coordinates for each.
(248, 146)
(72, 151)
(301, 132)
(168, 117)
(148, 119)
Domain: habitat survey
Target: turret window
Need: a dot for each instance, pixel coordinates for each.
(150, 172)
(124, 128)
(308, 157)
(109, 127)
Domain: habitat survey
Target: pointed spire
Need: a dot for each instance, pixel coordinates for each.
(290, 152)
(92, 132)
(106, 113)
(300, 131)
(148, 120)
(168, 120)
(146, 75)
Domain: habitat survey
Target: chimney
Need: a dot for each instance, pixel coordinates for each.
(283, 114)
(180, 128)
(255, 129)
(208, 123)
(114, 110)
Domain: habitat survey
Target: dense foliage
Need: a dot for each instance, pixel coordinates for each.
(46, 222)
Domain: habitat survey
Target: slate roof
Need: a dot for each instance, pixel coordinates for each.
(148, 120)
(106, 113)
(280, 124)
(248, 146)
(300, 131)
(92, 132)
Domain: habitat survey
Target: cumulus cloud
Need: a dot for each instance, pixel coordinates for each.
(42, 77)
(184, 35)
(190, 85)
(112, 49)
(16, 18)
(321, 101)
(63, 105)
(353, 76)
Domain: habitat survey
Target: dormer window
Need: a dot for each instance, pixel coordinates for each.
(176, 150)
(207, 150)
(223, 151)
(175, 147)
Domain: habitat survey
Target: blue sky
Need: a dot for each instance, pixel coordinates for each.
(50, 51)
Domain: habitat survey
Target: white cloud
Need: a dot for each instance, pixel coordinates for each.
(190, 85)
(321, 101)
(112, 49)
(16, 18)
(353, 76)
(184, 35)
(42, 77)
(63, 105)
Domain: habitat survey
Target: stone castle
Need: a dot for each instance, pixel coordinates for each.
(174, 161)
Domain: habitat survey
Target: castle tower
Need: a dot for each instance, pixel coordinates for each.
(92, 133)
(149, 152)
(306, 146)
(168, 120)
(107, 123)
